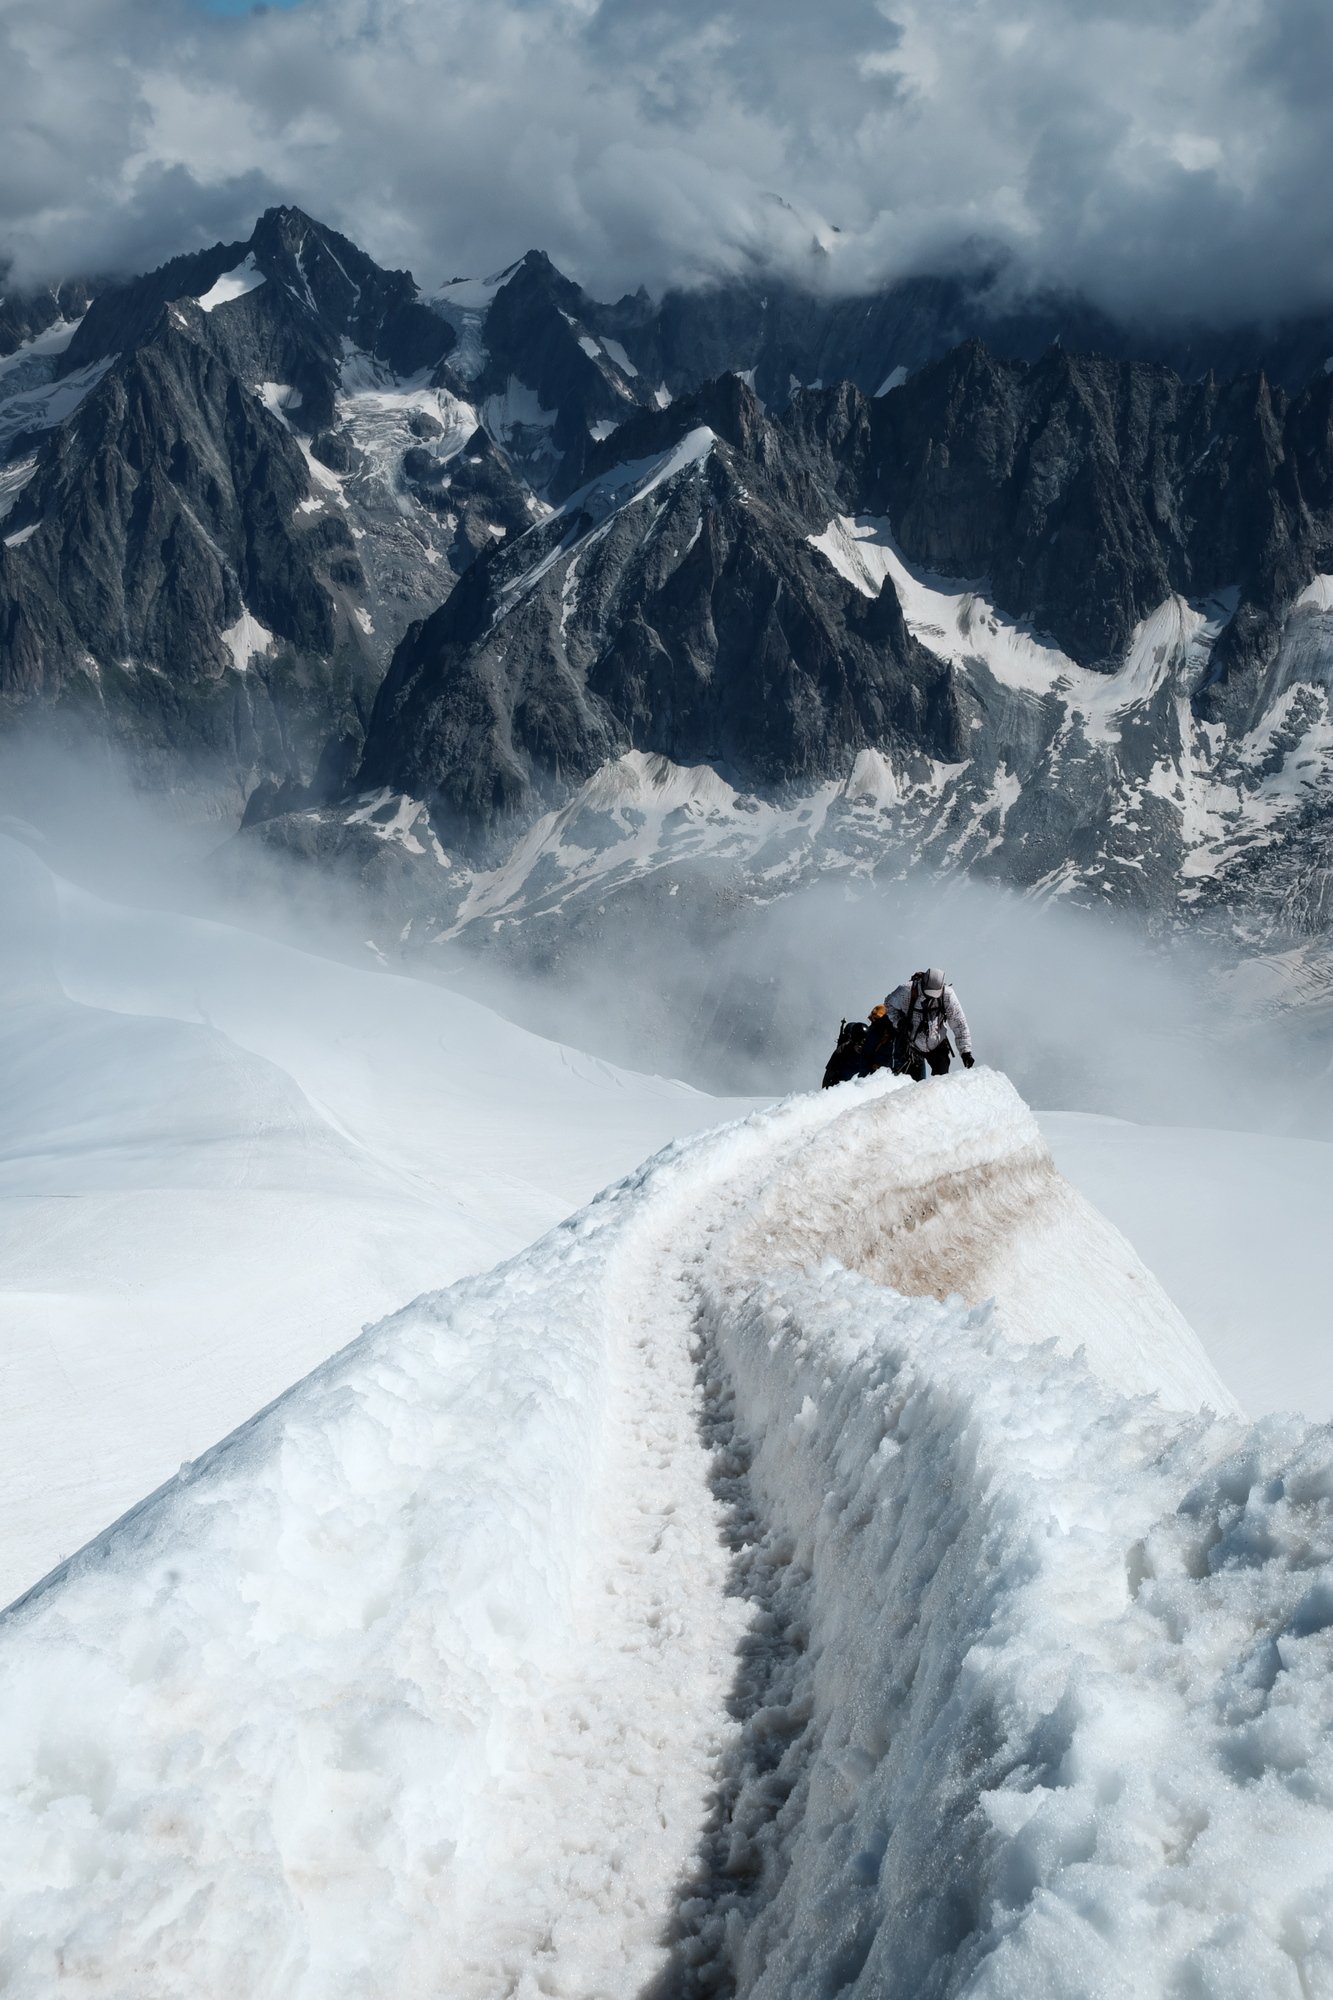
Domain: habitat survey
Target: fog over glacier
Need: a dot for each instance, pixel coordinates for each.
(1158, 159)
(1200, 1124)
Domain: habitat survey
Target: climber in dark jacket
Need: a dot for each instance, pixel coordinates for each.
(845, 1062)
(922, 1011)
(878, 1048)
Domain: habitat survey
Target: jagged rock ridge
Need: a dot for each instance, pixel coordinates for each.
(229, 488)
(291, 531)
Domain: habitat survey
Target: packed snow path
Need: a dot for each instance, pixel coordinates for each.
(699, 1603)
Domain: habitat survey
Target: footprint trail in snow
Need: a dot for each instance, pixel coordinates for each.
(446, 1675)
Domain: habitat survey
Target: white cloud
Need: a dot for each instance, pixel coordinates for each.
(1195, 151)
(1167, 154)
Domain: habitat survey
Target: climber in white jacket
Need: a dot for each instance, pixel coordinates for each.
(923, 1011)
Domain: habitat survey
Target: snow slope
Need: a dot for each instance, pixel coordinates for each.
(219, 1158)
(1234, 1225)
(1015, 1677)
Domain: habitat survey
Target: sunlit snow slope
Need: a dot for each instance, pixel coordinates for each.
(1235, 1226)
(701, 1597)
(220, 1158)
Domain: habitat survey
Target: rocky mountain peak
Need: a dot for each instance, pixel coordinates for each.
(810, 543)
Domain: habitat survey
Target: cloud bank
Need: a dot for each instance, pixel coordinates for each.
(1166, 157)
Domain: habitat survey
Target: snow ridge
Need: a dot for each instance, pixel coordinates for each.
(426, 1673)
(1052, 1723)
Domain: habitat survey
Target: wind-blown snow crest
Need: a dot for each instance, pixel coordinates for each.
(423, 1680)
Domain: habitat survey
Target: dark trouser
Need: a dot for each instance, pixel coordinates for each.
(938, 1059)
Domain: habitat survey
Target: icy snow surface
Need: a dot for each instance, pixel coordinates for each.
(278, 398)
(42, 348)
(518, 408)
(378, 408)
(219, 1158)
(956, 621)
(663, 812)
(1016, 1681)
(465, 303)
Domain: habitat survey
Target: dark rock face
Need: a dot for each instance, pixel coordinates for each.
(282, 528)
(477, 489)
(679, 610)
(696, 622)
(678, 605)
(787, 338)
(166, 516)
(324, 291)
(545, 338)
(177, 571)
(1088, 490)
(27, 312)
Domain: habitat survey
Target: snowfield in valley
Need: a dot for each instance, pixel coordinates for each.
(825, 1563)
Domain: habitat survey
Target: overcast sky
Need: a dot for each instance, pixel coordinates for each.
(1161, 155)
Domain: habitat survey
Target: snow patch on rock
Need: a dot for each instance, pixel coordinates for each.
(278, 398)
(247, 277)
(619, 356)
(246, 638)
(517, 408)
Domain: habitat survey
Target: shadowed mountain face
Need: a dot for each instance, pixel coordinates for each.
(319, 549)
(672, 605)
(770, 596)
(26, 313)
(228, 489)
(1088, 491)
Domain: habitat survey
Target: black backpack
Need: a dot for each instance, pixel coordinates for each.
(880, 1049)
(845, 1061)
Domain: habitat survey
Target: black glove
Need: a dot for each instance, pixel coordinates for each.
(968, 1059)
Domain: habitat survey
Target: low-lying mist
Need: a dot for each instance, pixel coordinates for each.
(1083, 1011)
(683, 974)
(94, 821)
